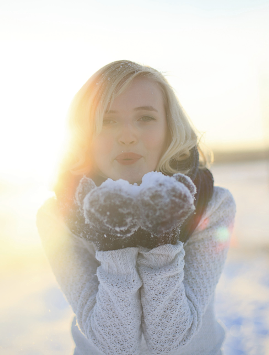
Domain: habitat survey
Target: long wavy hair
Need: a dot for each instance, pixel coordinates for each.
(94, 98)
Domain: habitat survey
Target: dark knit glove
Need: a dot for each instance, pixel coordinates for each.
(108, 212)
(165, 203)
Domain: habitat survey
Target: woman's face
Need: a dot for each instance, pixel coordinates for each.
(134, 133)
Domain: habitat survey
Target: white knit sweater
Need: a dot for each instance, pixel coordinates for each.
(140, 301)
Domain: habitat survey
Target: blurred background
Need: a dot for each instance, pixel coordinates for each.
(215, 54)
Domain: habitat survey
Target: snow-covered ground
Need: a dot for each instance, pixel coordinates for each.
(36, 319)
(242, 298)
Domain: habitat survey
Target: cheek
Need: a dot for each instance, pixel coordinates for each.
(102, 145)
(155, 140)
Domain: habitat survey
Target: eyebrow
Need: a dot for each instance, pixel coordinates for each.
(140, 108)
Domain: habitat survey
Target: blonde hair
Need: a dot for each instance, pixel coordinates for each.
(97, 94)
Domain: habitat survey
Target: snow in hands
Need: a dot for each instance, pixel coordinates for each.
(159, 205)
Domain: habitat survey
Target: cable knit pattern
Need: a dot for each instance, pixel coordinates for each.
(107, 307)
(179, 281)
(142, 301)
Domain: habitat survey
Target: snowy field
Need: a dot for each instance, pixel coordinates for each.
(36, 319)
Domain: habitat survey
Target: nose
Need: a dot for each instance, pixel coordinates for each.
(127, 135)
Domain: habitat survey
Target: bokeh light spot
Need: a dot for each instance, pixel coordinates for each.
(222, 234)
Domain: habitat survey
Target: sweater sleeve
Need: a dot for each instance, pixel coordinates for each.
(102, 287)
(179, 280)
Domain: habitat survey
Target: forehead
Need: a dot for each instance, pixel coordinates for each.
(140, 92)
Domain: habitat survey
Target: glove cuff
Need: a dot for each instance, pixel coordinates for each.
(147, 240)
(113, 242)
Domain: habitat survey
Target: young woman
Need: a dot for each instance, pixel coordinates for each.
(138, 235)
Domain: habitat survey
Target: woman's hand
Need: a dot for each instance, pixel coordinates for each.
(108, 213)
(109, 208)
(164, 202)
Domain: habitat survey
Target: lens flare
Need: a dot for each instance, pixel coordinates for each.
(223, 234)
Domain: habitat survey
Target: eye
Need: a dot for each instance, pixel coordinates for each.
(147, 119)
(108, 121)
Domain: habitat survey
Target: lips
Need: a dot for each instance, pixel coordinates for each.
(128, 158)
